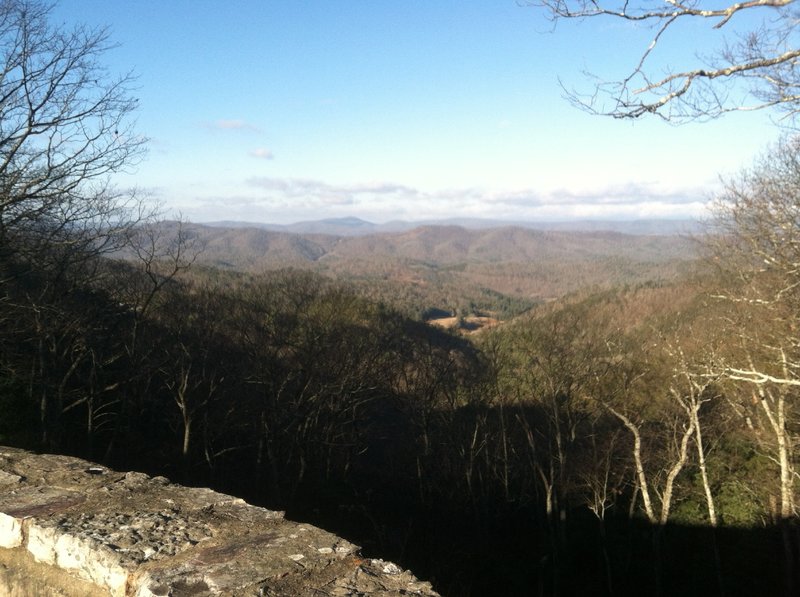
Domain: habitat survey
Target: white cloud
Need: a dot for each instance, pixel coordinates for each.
(614, 195)
(262, 153)
(285, 200)
(325, 193)
(224, 124)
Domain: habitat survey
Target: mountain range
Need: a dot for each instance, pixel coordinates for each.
(352, 226)
(442, 266)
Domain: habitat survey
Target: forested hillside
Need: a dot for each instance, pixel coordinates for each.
(629, 429)
(592, 433)
(448, 269)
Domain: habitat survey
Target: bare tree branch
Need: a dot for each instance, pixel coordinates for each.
(65, 128)
(752, 70)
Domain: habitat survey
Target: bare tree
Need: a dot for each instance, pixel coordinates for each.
(65, 128)
(757, 252)
(692, 387)
(754, 64)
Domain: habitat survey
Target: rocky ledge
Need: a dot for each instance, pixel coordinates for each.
(69, 527)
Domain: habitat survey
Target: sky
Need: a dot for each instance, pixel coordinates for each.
(288, 110)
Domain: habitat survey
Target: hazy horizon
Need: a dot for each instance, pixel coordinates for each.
(344, 219)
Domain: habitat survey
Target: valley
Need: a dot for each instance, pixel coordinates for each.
(478, 272)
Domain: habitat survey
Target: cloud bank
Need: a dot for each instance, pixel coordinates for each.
(286, 200)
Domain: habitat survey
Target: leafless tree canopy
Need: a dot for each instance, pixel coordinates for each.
(755, 64)
(65, 128)
(758, 216)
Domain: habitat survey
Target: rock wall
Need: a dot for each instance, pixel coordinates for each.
(72, 528)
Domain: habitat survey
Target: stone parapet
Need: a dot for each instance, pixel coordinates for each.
(72, 528)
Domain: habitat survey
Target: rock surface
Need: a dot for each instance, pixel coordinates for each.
(69, 527)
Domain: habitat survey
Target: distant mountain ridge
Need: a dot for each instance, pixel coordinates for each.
(353, 226)
(252, 248)
(447, 266)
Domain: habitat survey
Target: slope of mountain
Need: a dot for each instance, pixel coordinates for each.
(451, 268)
(251, 249)
(244, 248)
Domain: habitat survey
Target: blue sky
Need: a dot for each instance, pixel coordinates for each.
(288, 110)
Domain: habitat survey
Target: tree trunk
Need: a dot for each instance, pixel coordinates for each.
(669, 485)
(777, 421)
(187, 431)
(701, 460)
(637, 457)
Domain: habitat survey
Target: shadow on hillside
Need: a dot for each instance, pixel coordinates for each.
(513, 555)
(492, 548)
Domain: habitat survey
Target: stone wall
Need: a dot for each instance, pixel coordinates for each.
(72, 528)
